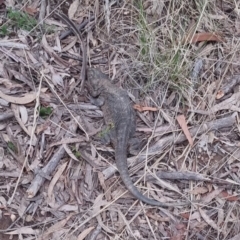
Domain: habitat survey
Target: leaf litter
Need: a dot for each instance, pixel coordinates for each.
(179, 62)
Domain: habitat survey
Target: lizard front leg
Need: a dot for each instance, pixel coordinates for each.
(99, 101)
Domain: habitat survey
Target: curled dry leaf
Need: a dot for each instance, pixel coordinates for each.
(27, 98)
(142, 108)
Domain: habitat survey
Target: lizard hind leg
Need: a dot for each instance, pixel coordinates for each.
(106, 135)
(135, 146)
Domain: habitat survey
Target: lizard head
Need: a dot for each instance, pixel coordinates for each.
(95, 77)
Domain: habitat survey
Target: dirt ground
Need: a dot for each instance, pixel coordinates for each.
(178, 62)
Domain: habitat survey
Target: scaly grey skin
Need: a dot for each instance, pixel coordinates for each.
(119, 116)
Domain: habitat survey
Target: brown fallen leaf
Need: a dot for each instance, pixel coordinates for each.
(204, 36)
(182, 122)
(185, 215)
(228, 197)
(27, 98)
(142, 108)
(30, 10)
(220, 94)
(199, 190)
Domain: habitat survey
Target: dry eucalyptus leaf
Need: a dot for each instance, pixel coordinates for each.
(5, 137)
(27, 98)
(25, 230)
(73, 8)
(208, 220)
(56, 227)
(10, 3)
(183, 124)
(84, 233)
(56, 78)
(46, 45)
(23, 114)
(199, 190)
(2, 126)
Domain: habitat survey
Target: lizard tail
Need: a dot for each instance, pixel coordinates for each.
(121, 161)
